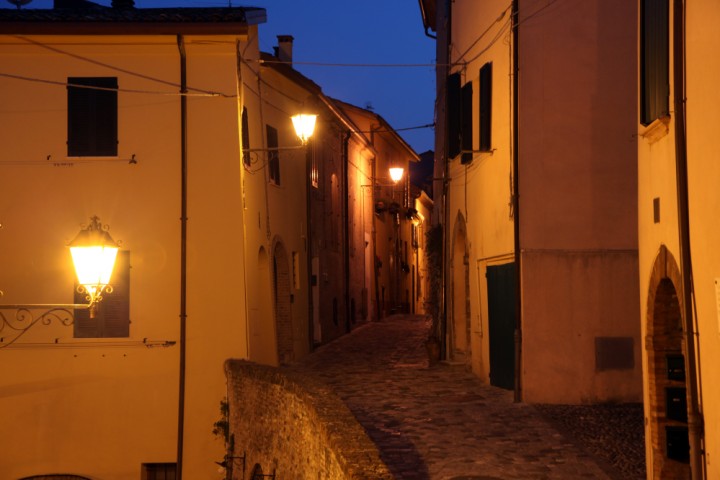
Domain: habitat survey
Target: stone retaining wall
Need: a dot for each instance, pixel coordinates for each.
(296, 427)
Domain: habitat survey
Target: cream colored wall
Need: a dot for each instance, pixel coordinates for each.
(274, 212)
(424, 206)
(703, 69)
(577, 184)
(261, 324)
(361, 213)
(75, 405)
(481, 191)
(657, 179)
(216, 327)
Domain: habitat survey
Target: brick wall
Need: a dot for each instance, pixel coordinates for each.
(296, 427)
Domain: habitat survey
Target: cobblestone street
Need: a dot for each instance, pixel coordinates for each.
(441, 422)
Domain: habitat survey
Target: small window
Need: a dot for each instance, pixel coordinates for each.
(245, 137)
(486, 107)
(453, 110)
(273, 155)
(159, 471)
(112, 318)
(654, 51)
(92, 117)
(466, 126)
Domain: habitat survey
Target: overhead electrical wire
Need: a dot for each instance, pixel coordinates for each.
(91, 87)
(192, 92)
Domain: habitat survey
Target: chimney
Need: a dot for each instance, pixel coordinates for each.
(285, 47)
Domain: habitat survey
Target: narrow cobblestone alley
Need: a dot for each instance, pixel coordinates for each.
(442, 422)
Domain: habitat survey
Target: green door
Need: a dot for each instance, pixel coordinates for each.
(501, 320)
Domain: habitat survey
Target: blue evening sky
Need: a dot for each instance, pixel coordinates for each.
(356, 32)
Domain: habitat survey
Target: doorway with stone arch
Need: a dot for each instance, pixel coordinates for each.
(460, 349)
(667, 386)
(282, 280)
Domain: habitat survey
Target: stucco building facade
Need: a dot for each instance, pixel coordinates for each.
(536, 188)
(678, 228)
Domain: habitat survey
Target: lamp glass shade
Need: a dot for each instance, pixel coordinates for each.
(304, 126)
(94, 252)
(396, 173)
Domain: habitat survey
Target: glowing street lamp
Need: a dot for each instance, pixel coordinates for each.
(396, 173)
(304, 126)
(93, 252)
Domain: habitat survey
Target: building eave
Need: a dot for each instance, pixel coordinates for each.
(145, 21)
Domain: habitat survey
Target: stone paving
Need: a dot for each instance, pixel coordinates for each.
(441, 422)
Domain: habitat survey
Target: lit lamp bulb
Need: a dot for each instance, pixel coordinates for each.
(93, 252)
(396, 173)
(304, 126)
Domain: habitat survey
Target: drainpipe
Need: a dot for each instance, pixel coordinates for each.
(183, 250)
(516, 207)
(346, 227)
(695, 422)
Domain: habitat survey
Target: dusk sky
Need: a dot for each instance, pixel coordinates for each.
(350, 32)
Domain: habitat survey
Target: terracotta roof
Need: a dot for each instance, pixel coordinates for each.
(87, 17)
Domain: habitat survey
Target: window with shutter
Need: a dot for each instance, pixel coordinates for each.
(245, 137)
(453, 110)
(654, 51)
(112, 318)
(92, 117)
(485, 107)
(466, 126)
(273, 156)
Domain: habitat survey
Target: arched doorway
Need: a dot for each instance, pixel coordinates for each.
(667, 386)
(283, 305)
(460, 349)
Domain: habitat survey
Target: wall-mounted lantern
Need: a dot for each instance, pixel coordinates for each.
(396, 173)
(304, 124)
(93, 253)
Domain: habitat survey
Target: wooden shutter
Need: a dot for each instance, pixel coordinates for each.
(273, 157)
(112, 318)
(486, 107)
(245, 136)
(92, 117)
(466, 127)
(655, 84)
(453, 110)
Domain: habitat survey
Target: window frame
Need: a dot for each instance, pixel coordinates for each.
(273, 154)
(453, 113)
(485, 108)
(654, 60)
(245, 125)
(466, 123)
(92, 116)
